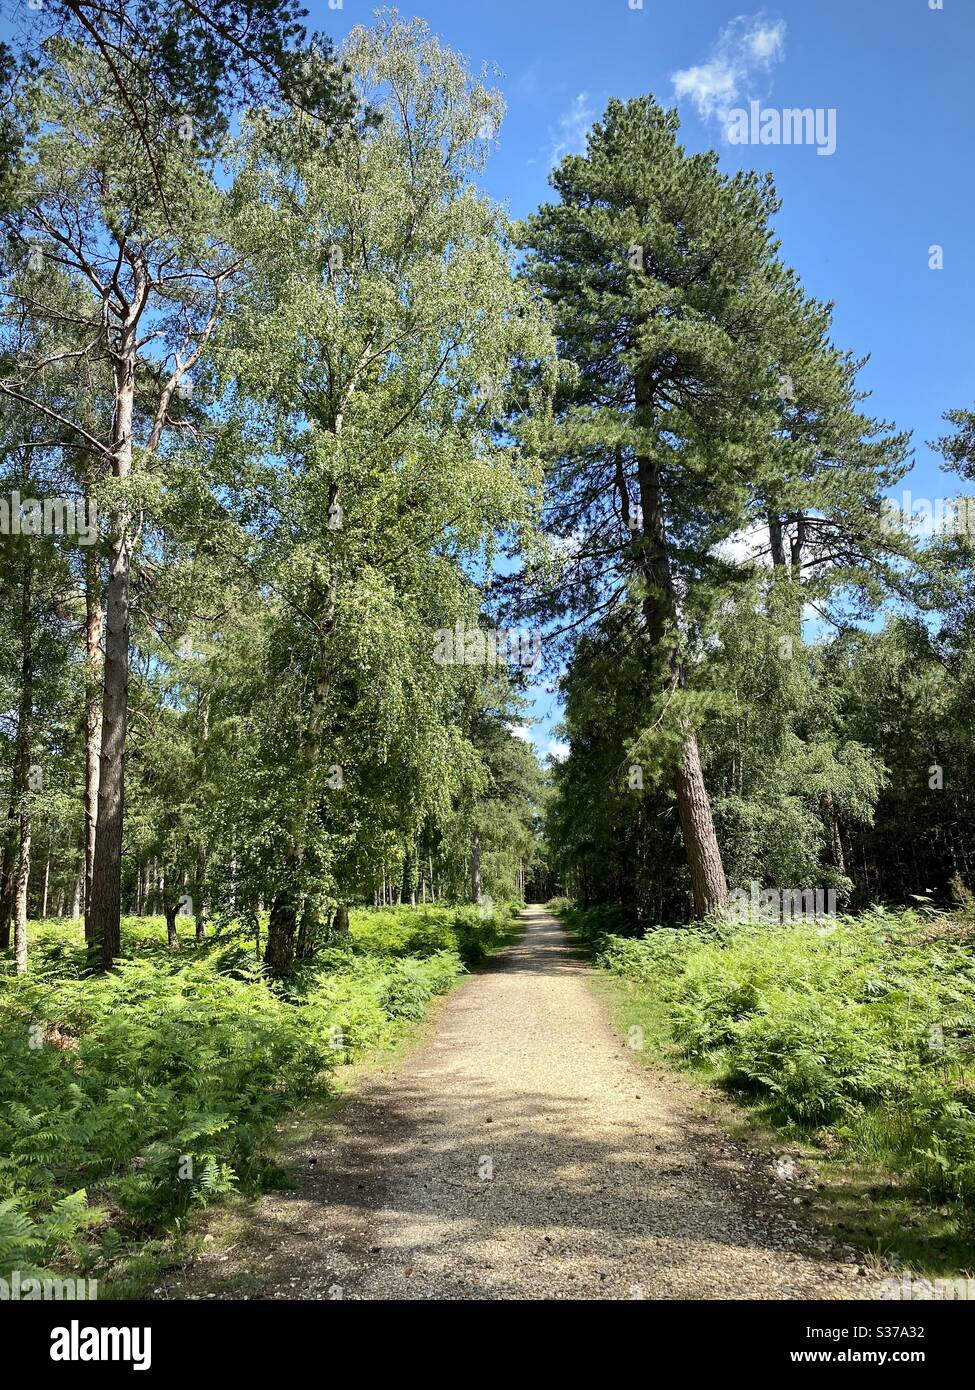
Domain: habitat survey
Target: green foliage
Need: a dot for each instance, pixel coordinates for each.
(26, 1241)
(858, 1028)
(156, 1086)
(469, 932)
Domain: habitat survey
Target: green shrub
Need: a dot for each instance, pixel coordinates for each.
(156, 1086)
(863, 1024)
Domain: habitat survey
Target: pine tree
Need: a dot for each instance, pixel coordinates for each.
(667, 300)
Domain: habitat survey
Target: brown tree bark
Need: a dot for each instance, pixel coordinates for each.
(709, 884)
(697, 824)
(776, 541)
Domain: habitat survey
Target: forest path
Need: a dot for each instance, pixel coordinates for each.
(524, 1152)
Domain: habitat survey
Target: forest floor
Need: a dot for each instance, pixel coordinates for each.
(522, 1151)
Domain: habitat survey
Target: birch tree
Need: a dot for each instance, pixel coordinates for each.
(152, 279)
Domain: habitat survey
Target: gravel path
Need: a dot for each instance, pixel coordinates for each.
(524, 1152)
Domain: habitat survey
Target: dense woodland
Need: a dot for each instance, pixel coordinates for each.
(313, 401)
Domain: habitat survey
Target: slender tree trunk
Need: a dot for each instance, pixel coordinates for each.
(93, 723)
(835, 838)
(47, 880)
(20, 893)
(172, 938)
(106, 879)
(200, 907)
(10, 844)
(22, 755)
(476, 866)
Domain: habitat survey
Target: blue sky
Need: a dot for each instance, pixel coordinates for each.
(856, 224)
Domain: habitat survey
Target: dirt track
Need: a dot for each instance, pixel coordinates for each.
(523, 1152)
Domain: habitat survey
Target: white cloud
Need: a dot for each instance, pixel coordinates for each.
(521, 731)
(747, 546)
(570, 135)
(767, 42)
(711, 86)
(746, 48)
(558, 752)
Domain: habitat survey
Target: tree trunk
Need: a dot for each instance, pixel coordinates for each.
(170, 910)
(106, 879)
(703, 856)
(652, 557)
(93, 724)
(282, 926)
(835, 838)
(20, 892)
(310, 929)
(283, 922)
(476, 866)
(21, 776)
(200, 907)
(776, 541)
(10, 843)
(47, 880)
